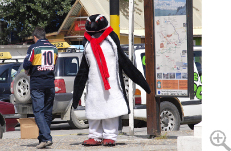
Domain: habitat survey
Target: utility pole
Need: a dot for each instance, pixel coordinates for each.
(152, 103)
(131, 52)
(115, 24)
(114, 16)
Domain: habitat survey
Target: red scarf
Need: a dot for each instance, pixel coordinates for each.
(99, 56)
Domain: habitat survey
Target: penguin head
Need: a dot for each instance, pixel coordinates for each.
(96, 23)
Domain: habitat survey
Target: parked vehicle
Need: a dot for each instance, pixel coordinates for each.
(65, 71)
(175, 111)
(6, 123)
(8, 69)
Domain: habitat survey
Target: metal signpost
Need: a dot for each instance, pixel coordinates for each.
(131, 52)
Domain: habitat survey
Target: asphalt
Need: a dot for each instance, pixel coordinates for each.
(65, 139)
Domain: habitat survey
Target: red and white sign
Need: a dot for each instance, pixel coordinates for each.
(79, 25)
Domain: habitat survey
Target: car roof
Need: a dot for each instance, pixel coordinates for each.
(70, 54)
(142, 47)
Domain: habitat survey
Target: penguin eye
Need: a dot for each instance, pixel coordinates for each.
(101, 18)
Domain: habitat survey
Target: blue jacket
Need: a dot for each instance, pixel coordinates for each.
(40, 61)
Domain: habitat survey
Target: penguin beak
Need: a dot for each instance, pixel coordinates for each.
(93, 25)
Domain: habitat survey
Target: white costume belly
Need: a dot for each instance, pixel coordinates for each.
(101, 103)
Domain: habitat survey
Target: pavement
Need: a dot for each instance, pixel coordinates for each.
(65, 139)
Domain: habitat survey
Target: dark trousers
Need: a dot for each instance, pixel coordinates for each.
(42, 104)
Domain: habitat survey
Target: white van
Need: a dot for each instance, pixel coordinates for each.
(174, 111)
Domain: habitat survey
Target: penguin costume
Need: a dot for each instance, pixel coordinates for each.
(101, 71)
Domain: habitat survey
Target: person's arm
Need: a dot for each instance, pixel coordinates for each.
(27, 63)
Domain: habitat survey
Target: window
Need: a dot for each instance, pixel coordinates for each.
(71, 66)
(198, 61)
(14, 71)
(3, 77)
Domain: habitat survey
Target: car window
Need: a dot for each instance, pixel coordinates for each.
(3, 77)
(142, 55)
(71, 66)
(14, 71)
(198, 61)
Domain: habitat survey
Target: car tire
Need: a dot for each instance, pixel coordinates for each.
(75, 123)
(169, 117)
(22, 89)
(137, 123)
(1, 131)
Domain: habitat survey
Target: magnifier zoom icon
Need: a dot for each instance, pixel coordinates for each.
(218, 138)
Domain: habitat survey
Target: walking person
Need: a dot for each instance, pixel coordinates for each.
(39, 64)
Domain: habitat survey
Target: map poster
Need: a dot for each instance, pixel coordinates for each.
(171, 48)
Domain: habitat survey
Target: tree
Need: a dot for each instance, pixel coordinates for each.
(22, 15)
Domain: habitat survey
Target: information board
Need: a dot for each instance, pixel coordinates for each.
(171, 55)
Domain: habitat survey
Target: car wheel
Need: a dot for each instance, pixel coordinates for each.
(139, 123)
(76, 123)
(22, 88)
(1, 131)
(169, 117)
